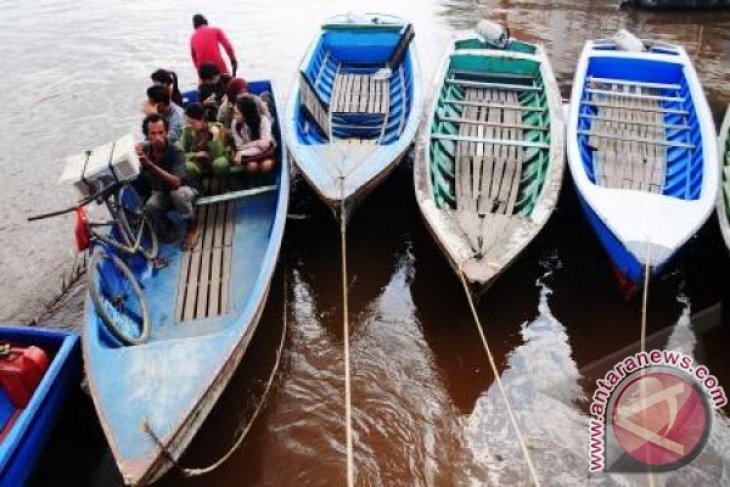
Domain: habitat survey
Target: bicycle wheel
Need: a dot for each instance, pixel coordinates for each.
(130, 212)
(118, 298)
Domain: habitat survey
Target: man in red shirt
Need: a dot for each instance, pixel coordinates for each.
(204, 46)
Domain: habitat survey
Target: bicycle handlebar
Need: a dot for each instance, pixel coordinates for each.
(101, 194)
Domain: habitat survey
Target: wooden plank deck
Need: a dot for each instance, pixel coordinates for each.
(360, 93)
(205, 276)
(628, 137)
(488, 171)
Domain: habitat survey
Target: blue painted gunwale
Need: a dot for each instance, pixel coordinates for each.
(690, 176)
(24, 443)
(174, 379)
(360, 47)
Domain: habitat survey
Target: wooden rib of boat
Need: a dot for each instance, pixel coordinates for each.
(28, 408)
(355, 106)
(642, 152)
(204, 308)
(490, 160)
(723, 199)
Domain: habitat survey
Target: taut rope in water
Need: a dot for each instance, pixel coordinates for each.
(644, 301)
(346, 338)
(196, 472)
(645, 297)
(493, 364)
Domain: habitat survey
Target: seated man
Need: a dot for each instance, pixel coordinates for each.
(203, 145)
(164, 166)
(212, 89)
(158, 101)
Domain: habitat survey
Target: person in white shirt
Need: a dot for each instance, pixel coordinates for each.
(252, 138)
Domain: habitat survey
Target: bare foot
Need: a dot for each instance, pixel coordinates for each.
(191, 239)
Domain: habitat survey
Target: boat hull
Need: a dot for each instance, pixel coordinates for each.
(642, 209)
(171, 383)
(435, 184)
(25, 441)
(346, 160)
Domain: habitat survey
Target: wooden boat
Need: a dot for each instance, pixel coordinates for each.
(355, 106)
(490, 160)
(34, 385)
(723, 199)
(204, 307)
(641, 149)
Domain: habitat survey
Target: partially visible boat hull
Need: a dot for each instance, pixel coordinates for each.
(26, 439)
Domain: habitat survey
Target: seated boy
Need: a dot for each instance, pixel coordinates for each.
(202, 143)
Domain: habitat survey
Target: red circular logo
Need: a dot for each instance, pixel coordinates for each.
(661, 419)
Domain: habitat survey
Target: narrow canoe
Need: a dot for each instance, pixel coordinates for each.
(25, 428)
(642, 152)
(347, 127)
(204, 308)
(723, 199)
(490, 160)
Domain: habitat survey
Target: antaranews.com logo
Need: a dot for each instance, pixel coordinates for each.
(652, 411)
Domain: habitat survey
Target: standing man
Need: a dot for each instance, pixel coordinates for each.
(205, 46)
(164, 167)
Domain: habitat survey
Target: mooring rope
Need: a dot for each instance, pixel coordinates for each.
(644, 302)
(346, 338)
(196, 472)
(493, 364)
(645, 297)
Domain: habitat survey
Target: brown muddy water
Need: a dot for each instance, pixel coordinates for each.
(426, 409)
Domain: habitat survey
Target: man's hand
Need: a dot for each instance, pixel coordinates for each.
(143, 159)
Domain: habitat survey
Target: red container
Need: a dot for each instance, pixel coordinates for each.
(21, 370)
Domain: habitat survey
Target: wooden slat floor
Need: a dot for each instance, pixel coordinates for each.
(629, 164)
(204, 284)
(360, 93)
(488, 175)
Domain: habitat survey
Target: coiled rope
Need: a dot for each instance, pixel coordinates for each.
(495, 371)
(196, 472)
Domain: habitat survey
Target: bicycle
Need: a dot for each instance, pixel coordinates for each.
(114, 290)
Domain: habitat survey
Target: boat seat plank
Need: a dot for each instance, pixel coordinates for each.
(454, 101)
(491, 85)
(640, 84)
(639, 96)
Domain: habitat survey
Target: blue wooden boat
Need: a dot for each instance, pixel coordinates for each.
(204, 307)
(641, 149)
(355, 106)
(24, 430)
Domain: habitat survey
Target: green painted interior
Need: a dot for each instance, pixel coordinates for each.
(535, 161)
(513, 45)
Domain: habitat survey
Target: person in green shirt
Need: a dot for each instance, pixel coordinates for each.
(202, 142)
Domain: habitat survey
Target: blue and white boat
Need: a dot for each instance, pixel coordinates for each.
(355, 106)
(25, 428)
(204, 307)
(642, 151)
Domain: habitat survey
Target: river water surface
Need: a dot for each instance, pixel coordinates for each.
(426, 409)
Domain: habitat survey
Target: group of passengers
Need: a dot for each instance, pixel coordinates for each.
(228, 129)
